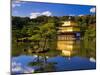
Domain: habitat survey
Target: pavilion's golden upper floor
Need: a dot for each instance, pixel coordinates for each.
(69, 26)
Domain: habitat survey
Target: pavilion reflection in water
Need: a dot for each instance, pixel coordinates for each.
(68, 37)
(68, 48)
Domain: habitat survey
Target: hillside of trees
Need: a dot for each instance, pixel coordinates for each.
(24, 26)
(43, 29)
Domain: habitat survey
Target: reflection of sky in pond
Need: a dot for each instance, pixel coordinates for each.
(19, 64)
(74, 63)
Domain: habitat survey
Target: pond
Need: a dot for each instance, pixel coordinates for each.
(67, 56)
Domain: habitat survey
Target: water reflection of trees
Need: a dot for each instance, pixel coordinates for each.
(43, 64)
(76, 48)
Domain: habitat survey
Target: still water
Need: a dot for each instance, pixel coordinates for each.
(68, 55)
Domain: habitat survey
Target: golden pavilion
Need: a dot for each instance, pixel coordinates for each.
(69, 30)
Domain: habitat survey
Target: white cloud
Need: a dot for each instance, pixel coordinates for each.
(93, 10)
(92, 59)
(81, 15)
(36, 14)
(71, 14)
(47, 13)
(16, 5)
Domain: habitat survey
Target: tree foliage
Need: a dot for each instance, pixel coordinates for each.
(43, 29)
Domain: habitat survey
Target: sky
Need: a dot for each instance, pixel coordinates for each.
(35, 9)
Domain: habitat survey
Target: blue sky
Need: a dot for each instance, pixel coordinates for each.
(34, 9)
